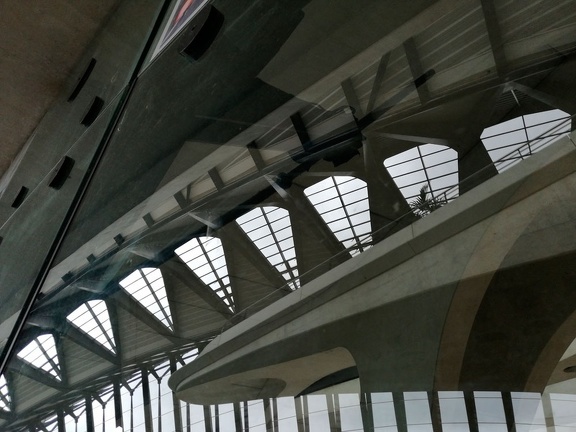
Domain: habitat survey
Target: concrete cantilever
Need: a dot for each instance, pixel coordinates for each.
(415, 311)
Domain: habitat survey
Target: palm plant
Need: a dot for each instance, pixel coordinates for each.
(423, 204)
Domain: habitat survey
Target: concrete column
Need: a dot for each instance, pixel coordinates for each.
(509, 411)
(435, 417)
(237, 417)
(400, 411)
(176, 402)
(474, 166)
(471, 411)
(118, 405)
(366, 411)
(317, 249)
(146, 397)
(89, 414)
(389, 211)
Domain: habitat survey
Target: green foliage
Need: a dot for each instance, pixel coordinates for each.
(423, 205)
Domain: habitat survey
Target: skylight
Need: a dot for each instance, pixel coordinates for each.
(270, 230)
(147, 287)
(342, 201)
(93, 319)
(205, 257)
(514, 140)
(429, 166)
(41, 353)
(4, 395)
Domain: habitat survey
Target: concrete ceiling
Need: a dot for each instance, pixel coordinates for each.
(40, 42)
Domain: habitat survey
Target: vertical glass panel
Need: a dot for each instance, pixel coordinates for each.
(417, 412)
(490, 412)
(93, 319)
(564, 411)
(350, 414)
(41, 353)
(226, 417)
(453, 412)
(147, 287)
(348, 195)
(286, 414)
(427, 176)
(270, 229)
(318, 413)
(383, 412)
(528, 412)
(256, 418)
(205, 257)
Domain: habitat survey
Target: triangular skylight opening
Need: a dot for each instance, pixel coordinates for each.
(428, 172)
(146, 285)
(342, 201)
(205, 257)
(42, 354)
(5, 400)
(514, 140)
(270, 230)
(93, 319)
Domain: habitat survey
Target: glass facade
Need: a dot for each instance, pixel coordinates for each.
(304, 215)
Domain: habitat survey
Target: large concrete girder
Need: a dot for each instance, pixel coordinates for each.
(413, 310)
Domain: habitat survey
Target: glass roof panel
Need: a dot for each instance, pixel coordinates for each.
(42, 354)
(205, 257)
(146, 285)
(5, 399)
(436, 171)
(512, 141)
(271, 226)
(352, 199)
(93, 319)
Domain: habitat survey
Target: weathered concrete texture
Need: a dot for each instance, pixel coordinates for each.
(40, 43)
(413, 310)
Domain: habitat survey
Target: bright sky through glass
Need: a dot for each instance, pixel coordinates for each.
(93, 319)
(146, 285)
(514, 140)
(270, 230)
(428, 165)
(342, 201)
(41, 353)
(205, 257)
(4, 394)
